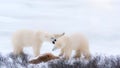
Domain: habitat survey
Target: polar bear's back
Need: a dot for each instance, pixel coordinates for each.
(79, 41)
(64, 39)
(23, 37)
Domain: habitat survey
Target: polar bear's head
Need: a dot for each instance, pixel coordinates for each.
(62, 43)
(53, 37)
(56, 36)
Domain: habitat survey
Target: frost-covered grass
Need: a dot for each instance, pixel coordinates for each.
(15, 61)
(12, 61)
(95, 62)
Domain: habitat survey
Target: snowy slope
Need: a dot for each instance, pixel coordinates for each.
(98, 19)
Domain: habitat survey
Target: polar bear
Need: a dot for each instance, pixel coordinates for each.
(76, 42)
(23, 38)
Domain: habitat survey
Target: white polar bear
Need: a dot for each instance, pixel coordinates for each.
(76, 42)
(22, 38)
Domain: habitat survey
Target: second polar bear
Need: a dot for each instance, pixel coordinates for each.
(76, 42)
(35, 39)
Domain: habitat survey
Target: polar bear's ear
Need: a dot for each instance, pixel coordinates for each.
(59, 35)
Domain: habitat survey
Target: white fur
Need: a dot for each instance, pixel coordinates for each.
(75, 42)
(31, 38)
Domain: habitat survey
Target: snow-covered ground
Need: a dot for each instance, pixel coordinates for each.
(99, 20)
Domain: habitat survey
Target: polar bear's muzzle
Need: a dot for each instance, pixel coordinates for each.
(54, 41)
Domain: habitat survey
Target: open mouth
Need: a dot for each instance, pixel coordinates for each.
(55, 48)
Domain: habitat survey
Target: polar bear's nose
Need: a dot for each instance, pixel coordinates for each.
(53, 42)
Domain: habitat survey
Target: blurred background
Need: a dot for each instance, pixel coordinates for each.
(99, 20)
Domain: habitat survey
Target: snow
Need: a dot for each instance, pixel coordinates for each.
(97, 19)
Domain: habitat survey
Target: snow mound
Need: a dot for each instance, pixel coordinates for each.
(21, 61)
